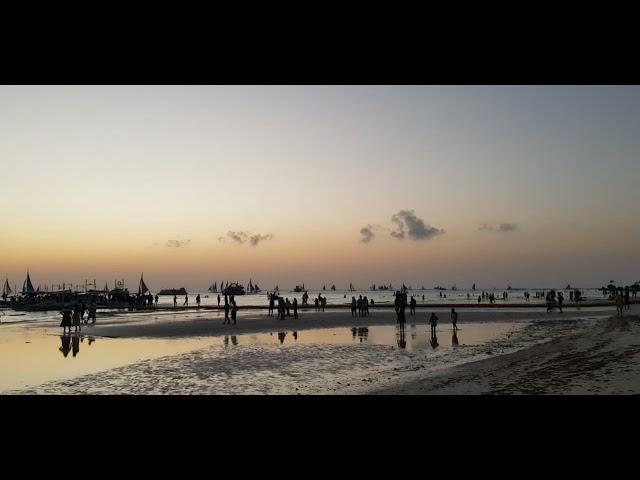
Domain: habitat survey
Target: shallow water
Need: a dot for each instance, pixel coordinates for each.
(43, 361)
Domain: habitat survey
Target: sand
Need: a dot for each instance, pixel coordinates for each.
(603, 358)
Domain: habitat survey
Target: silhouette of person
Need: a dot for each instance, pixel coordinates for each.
(66, 319)
(226, 311)
(65, 346)
(295, 311)
(186, 300)
(412, 306)
(353, 306)
(401, 305)
(234, 311)
(433, 321)
(454, 318)
(175, 301)
(76, 319)
(156, 299)
(218, 300)
(287, 306)
(271, 304)
(198, 299)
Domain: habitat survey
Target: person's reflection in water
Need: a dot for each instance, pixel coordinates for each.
(91, 340)
(281, 336)
(454, 339)
(234, 340)
(226, 340)
(354, 331)
(363, 333)
(65, 348)
(295, 336)
(400, 334)
(76, 345)
(434, 340)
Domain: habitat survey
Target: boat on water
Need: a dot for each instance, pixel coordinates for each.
(213, 288)
(454, 288)
(333, 287)
(439, 288)
(299, 289)
(252, 288)
(351, 289)
(234, 289)
(173, 291)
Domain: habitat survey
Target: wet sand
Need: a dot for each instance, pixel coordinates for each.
(603, 358)
(210, 323)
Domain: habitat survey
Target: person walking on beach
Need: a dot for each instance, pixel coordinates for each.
(360, 308)
(323, 302)
(287, 306)
(218, 300)
(281, 308)
(315, 302)
(66, 319)
(433, 321)
(619, 304)
(353, 307)
(186, 300)
(365, 305)
(76, 318)
(454, 319)
(92, 313)
(156, 299)
(198, 300)
(627, 298)
(234, 311)
(175, 301)
(401, 305)
(226, 310)
(295, 308)
(271, 304)
(412, 306)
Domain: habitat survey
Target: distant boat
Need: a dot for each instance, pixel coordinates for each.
(234, 289)
(252, 288)
(173, 291)
(439, 288)
(509, 287)
(568, 287)
(333, 287)
(298, 288)
(473, 287)
(454, 288)
(142, 287)
(324, 287)
(351, 289)
(6, 290)
(213, 287)
(27, 286)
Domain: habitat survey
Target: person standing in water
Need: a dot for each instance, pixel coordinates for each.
(175, 301)
(218, 300)
(92, 313)
(454, 319)
(401, 305)
(156, 299)
(198, 300)
(365, 304)
(186, 300)
(433, 321)
(353, 307)
(412, 306)
(271, 304)
(76, 318)
(295, 309)
(287, 306)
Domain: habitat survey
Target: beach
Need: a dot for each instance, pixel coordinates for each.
(496, 351)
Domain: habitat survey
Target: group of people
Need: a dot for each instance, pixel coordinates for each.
(623, 301)
(360, 307)
(230, 306)
(284, 306)
(74, 317)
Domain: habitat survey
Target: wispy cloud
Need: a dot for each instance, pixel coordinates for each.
(502, 228)
(246, 237)
(255, 239)
(410, 225)
(177, 243)
(367, 234)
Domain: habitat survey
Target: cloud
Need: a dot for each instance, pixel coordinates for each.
(177, 243)
(502, 228)
(239, 237)
(408, 224)
(244, 237)
(367, 234)
(255, 239)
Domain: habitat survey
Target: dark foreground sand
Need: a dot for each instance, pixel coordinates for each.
(604, 359)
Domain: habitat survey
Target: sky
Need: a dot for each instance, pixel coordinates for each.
(427, 185)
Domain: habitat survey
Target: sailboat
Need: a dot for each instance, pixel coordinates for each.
(6, 290)
(27, 286)
(142, 287)
(213, 287)
(351, 289)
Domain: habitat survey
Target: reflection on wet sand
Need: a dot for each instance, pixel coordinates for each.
(400, 336)
(281, 337)
(454, 339)
(295, 336)
(71, 343)
(65, 348)
(434, 340)
(234, 340)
